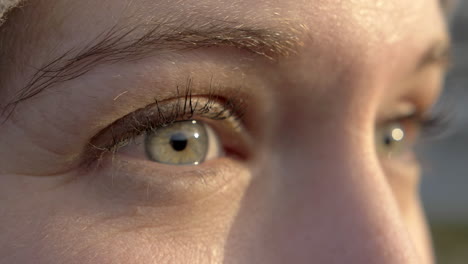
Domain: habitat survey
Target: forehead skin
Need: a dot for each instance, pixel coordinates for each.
(348, 49)
(367, 30)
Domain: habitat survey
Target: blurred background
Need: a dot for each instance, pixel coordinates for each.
(445, 160)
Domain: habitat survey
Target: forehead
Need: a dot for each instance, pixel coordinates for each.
(326, 29)
(392, 19)
(63, 25)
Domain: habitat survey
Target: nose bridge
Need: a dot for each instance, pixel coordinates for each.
(331, 192)
(337, 209)
(321, 195)
(324, 204)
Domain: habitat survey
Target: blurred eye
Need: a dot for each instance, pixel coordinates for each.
(392, 140)
(182, 143)
(397, 137)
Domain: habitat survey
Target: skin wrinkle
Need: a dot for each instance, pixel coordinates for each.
(167, 228)
(316, 189)
(221, 184)
(102, 222)
(138, 211)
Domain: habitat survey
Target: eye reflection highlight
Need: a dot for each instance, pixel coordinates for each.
(391, 140)
(398, 134)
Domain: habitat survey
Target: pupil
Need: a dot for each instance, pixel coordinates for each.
(388, 141)
(178, 141)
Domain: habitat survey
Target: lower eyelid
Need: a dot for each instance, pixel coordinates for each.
(132, 180)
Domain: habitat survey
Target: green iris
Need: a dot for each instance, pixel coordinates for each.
(391, 140)
(180, 143)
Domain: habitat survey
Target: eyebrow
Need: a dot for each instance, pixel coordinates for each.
(123, 44)
(439, 53)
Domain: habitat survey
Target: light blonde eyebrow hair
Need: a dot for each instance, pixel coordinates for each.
(120, 44)
(125, 43)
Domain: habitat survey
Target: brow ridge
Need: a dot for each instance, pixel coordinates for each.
(119, 44)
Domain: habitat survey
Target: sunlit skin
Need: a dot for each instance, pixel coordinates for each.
(303, 181)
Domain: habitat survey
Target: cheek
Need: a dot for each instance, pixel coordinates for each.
(419, 232)
(74, 223)
(404, 182)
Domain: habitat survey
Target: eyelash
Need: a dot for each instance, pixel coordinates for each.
(436, 125)
(430, 126)
(186, 106)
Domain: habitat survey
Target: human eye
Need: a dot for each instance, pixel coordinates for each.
(185, 140)
(397, 136)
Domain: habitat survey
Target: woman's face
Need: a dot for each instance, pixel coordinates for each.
(216, 131)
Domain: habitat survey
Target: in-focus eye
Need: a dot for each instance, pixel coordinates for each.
(182, 143)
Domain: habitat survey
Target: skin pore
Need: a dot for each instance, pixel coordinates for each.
(301, 174)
